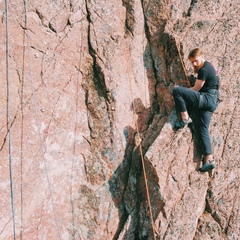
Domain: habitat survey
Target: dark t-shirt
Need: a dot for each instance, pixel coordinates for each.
(208, 74)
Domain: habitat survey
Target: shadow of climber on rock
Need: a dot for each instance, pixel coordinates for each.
(119, 179)
(127, 185)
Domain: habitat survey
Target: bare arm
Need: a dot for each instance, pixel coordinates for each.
(198, 85)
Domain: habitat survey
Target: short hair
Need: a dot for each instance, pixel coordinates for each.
(194, 53)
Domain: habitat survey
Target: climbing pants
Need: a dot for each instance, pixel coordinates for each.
(203, 104)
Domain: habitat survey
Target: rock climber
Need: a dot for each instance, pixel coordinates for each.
(204, 98)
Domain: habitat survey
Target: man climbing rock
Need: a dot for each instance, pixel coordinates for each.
(202, 97)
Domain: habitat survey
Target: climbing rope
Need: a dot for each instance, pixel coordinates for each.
(139, 139)
(9, 120)
(137, 127)
(140, 149)
(36, 118)
(182, 63)
(178, 50)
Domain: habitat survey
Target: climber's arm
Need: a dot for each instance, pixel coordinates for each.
(198, 85)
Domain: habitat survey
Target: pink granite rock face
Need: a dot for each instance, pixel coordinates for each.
(82, 80)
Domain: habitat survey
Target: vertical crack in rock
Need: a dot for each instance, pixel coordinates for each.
(148, 57)
(192, 5)
(229, 130)
(130, 18)
(98, 75)
(208, 207)
(224, 221)
(234, 207)
(100, 105)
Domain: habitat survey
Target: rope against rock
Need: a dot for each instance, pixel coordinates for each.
(154, 230)
(138, 136)
(9, 121)
(178, 51)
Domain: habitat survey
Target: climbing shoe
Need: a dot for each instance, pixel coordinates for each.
(207, 167)
(183, 123)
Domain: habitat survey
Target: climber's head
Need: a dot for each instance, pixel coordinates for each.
(196, 58)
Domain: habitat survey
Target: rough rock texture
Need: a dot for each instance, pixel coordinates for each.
(84, 78)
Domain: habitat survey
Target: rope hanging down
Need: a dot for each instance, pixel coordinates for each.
(140, 144)
(138, 135)
(9, 121)
(37, 121)
(182, 63)
(137, 127)
(178, 50)
(142, 159)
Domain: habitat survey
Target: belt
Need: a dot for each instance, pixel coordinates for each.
(213, 91)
